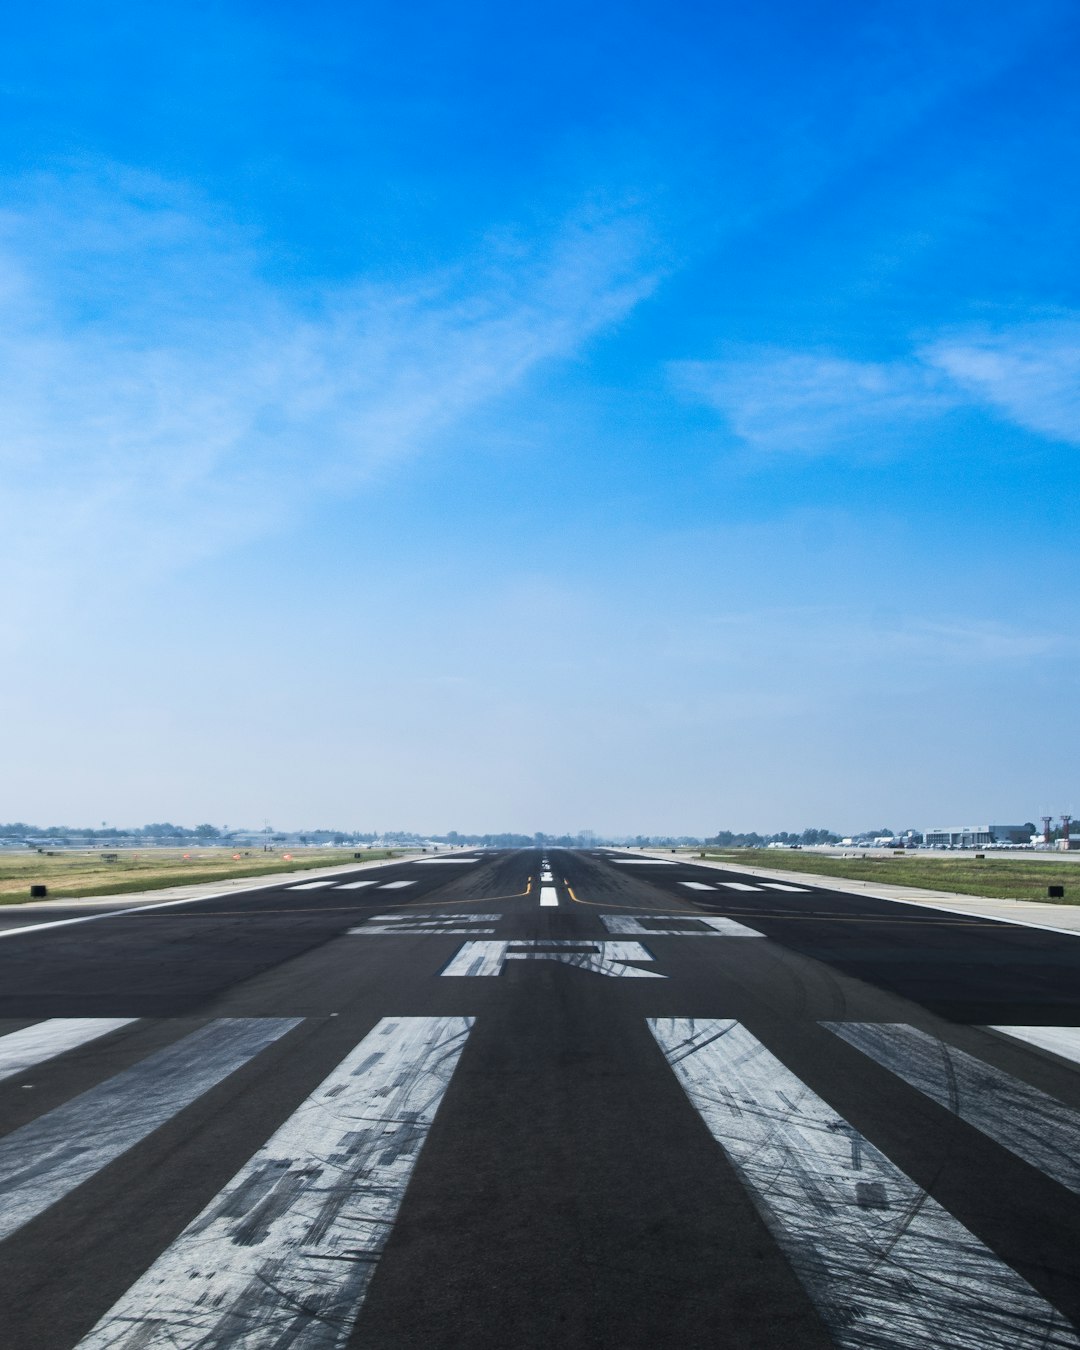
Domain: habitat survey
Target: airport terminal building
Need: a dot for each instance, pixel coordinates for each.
(976, 836)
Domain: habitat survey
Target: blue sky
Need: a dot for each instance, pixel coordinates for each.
(646, 418)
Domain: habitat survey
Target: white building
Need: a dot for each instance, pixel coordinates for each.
(975, 836)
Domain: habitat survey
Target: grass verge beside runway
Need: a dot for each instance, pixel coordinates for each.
(999, 878)
(84, 873)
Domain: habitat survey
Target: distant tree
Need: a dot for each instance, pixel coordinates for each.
(207, 832)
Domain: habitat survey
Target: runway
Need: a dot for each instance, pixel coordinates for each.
(585, 1099)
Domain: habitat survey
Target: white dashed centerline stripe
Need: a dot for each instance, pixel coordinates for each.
(25, 1049)
(548, 896)
(1063, 1041)
(284, 1255)
(43, 1161)
(1029, 1123)
(885, 1264)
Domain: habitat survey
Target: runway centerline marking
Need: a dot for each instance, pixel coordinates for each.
(549, 897)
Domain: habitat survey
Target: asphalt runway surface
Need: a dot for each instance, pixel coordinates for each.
(581, 1099)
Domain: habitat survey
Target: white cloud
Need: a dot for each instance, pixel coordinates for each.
(785, 401)
(781, 401)
(161, 398)
(1030, 373)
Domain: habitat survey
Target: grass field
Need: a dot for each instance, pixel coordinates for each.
(1001, 878)
(83, 872)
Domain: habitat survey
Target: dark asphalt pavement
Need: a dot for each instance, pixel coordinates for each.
(639, 1104)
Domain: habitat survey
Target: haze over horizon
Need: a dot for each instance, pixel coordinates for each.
(661, 417)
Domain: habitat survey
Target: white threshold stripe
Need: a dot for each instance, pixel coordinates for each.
(313, 885)
(708, 925)
(1036, 1127)
(886, 1265)
(739, 886)
(354, 885)
(1063, 1041)
(283, 1256)
(43, 1161)
(697, 885)
(779, 886)
(395, 885)
(25, 1049)
(549, 897)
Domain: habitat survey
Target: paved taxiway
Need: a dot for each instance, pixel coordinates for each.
(463, 1103)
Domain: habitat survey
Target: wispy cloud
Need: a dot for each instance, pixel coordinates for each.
(796, 402)
(161, 396)
(780, 401)
(1029, 373)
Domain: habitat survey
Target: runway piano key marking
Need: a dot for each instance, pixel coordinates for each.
(1063, 1041)
(354, 885)
(283, 1256)
(1029, 1123)
(705, 925)
(599, 958)
(739, 886)
(778, 886)
(25, 1049)
(697, 885)
(440, 925)
(43, 1161)
(886, 1266)
(314, 885)
(395, 885)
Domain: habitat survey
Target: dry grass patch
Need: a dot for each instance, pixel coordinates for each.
(78, 873)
